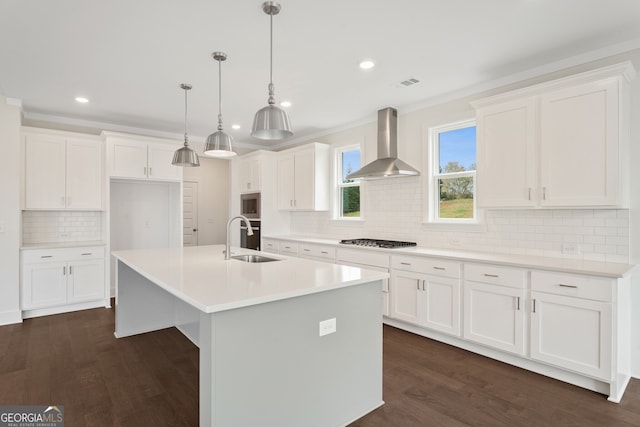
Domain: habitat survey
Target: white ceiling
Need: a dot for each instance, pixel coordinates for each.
(129, 57)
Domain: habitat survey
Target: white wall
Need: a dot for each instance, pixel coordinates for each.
(393, 208)
(10, 214)
(213, 198)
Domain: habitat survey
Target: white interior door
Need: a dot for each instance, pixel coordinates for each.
(190, 213)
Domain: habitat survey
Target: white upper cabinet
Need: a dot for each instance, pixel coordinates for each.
(506, 148)
(141, 158)
(250, 175)
(303, 178)
(62, 171)
(562, 143)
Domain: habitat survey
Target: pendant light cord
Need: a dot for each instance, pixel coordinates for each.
(271, 99)
(186, 140)
(219, 95)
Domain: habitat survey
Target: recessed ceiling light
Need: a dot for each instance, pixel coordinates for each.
(285, 104)
(81, 100)
(367, 64)
(235, 127)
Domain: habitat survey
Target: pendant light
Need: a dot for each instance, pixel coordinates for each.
(185, 156)
(271, 122)
(219, 144)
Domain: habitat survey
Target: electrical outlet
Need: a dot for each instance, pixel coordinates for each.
(571, 248)
(327, 327)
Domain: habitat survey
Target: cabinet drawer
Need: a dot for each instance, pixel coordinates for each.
(319, 251)
(290, 248)
(62, 254)
(433, 266)
(364, 257)
(93, 252)
(594, 288)
(495, 275)
(269, 245)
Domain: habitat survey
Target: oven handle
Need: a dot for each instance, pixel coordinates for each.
(254, 228)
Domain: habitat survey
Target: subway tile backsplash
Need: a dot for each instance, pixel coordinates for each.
(61, 226)
(393, 210)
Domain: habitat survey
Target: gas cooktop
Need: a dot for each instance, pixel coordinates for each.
(376, 243)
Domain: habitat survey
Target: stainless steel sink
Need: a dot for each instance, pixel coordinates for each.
(253, 258)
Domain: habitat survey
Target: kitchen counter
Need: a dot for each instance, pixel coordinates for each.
(60, 245)
(273, 336)
(566, 265)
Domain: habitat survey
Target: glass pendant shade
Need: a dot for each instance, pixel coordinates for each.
(185, 156)
(219, 144)
(271, 123)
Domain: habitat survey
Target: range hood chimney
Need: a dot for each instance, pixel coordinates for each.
(387, 165)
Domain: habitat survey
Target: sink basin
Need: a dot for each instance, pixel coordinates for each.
(254, 258)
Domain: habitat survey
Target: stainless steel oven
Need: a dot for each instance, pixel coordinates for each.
(250, 205)
(250, 242)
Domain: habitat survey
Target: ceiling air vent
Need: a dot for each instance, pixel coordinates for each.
(409, 82)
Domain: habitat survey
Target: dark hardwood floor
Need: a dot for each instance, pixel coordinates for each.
(152, 380)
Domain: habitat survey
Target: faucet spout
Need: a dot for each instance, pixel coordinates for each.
(227, 253)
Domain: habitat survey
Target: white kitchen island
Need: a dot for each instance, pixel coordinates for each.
(268, 355)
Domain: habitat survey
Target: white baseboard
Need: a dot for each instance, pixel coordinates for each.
(10, 317)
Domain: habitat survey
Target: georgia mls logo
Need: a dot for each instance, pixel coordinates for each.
(31, 416)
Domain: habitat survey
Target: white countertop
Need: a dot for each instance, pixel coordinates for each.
(59, 245)
(200, 276)
(577, 266)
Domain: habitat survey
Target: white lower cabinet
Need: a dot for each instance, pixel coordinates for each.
(54, 280)
(494, 307)
(571, 331)
(430, 300)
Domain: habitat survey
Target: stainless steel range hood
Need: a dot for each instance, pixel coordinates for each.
(387, 165)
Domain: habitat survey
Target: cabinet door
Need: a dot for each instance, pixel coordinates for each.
(286, 177)
(405, 289)
(45, 172)
(160, 167)
(84, 175)
(86, 280)
(128, 159)
(494, 316)
(506, 137)
(250, 175)
(304, 185)
(441, 304)
(44, 285)
(572, 333)
(579, 145)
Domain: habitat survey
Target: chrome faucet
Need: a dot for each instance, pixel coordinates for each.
(227, 252)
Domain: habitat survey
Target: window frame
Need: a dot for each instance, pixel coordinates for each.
(432, 190)
(339, 185)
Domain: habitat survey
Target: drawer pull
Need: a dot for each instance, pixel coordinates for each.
(46, 256)
(439, 268)
(518, 303)
(70, 269)
(324, 252)
(64, 271)
(491, 275)
(562, 285)
(307, 250)
(87, 253)
(405, 263)
(534, 306)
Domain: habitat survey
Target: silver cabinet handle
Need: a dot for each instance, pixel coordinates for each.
(491, 275)
(64, 271)
(70, 269)
(418, 284)
(46, 256)
(424, 282)
(534, 306)
(150, 171)
(87, 253)
(405, 263)
(518, 303)
(439, 268)
(544, 193)
(307, 250)
(529, 193)
(567, 286)
(324, 252)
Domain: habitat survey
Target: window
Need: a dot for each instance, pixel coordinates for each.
(348, 190)
(453, 173)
